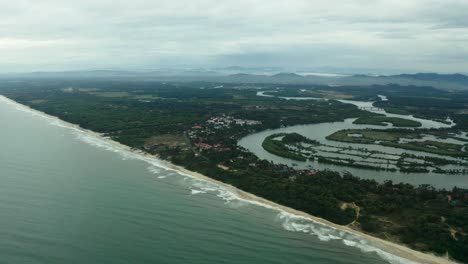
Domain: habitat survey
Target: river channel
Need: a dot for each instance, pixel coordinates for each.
(319, 132)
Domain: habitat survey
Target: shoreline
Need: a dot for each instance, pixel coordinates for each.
(400, 251)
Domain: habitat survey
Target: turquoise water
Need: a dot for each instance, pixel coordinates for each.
(67, 197)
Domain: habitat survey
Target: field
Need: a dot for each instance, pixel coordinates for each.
(393, 138)
(366, 136)
(382, 121)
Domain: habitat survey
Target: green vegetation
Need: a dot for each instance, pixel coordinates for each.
(277, 147)
(383, 120)
(119, 111)
(367, 136)
(278, 144)
(392, 138)
(383, 206)
(352, 163)
(360, 93)
(109, 94)
(436, 108)
(289, 145)
(295, 138)
(429, 146)
(424, 102)
(433, 220)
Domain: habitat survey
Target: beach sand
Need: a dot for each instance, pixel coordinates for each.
(394, 249)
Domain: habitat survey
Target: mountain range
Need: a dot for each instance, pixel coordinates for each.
(231, 75)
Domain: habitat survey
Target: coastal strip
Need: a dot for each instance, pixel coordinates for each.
(392, 252)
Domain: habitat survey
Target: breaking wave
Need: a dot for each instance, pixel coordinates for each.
(289, 222)
(197, 191)
(295, 223)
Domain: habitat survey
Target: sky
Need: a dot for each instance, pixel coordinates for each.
(361, 36)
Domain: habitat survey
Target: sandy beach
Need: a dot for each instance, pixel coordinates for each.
(394, 249)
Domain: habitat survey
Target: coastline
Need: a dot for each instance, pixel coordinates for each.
(394, 249)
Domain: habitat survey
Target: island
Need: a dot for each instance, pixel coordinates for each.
(383, 121)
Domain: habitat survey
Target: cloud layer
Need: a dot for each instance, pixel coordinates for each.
(348, 35)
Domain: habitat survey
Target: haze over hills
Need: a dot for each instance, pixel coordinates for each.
(263, 75)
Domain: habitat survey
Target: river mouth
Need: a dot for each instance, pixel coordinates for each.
(319, 132)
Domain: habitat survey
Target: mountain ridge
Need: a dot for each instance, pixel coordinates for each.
(455, 81)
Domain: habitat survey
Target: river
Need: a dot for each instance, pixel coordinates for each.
(319, 132)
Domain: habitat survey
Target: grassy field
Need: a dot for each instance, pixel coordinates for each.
(169, 140)
(383, 120)
(429, 146)
(364, 136)
(392, 139)
(111, 94)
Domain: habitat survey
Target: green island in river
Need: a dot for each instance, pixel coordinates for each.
(197, 125)
(303, 149)
(278, 145)
(383, 121)
(393, 138)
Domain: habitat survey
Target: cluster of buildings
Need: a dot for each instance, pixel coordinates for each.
(199, 134)
(226, 121)
(216, 147)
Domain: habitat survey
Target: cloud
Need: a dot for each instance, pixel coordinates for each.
(418, 35)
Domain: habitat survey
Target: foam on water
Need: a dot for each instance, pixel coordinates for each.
(154, 169)
(289, 222)
(295, 223)
(193, 191)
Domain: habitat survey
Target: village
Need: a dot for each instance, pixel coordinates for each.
(199, 135)
(220, 134)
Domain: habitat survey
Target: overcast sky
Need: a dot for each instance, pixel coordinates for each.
(350, 35)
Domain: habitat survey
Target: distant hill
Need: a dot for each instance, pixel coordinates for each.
(93, 73)
(250, 70)
(440, 81)
(280, 78)
(457, 78)
(284, 75)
